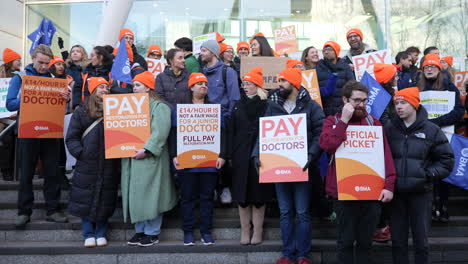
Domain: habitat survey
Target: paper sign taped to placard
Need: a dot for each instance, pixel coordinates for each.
(460, 80)
(156, 66)
(439, 103)
(4, 84)
(285, 40)
(271, 66)
(365, 62)
(198, 41)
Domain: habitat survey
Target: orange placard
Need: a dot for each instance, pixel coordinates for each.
(126, 124)
(42, 107)
(460, 78)
(285, 40)
(310, 83)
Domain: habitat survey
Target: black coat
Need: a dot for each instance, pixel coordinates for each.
(421, 153)
(74, 71)
(173, 89)
(139, 59)
(332, 104)
(94, 185)
(90, 71)
(243, 129)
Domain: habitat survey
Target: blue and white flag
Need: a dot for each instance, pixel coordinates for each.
(378, 97)
(121, 68)
(42, 35)
(459, 175)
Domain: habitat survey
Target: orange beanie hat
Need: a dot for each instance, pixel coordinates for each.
(55, 60)
(410, 95)
(448, 60)
(10, 55)
(219, 37)
(259, 34)
(355, 31)
(94, 82)
(146, 78)
(335, 46)
(255, 76)
(125, 31)
(129, 51)
(223, 47)
(294, 76)
(292, 63)
(196, 77)
(384, 72)
(243, 44)
(432, 59)
(154, 49)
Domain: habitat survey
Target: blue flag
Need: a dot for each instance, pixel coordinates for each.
(378, 97)
(121, 67)
(42, 35)
(459, 175)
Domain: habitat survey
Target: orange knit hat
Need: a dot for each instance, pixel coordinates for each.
(259, 34)
(223, 47)
(335, 46)
(292, 63)
(219, 37)
(125, 31)
(55, 60)
(432, 59)
(294, 76)
(355, 31)
(146, 78)
(154, 49)
(10, 55)
(448, 60)
(255, 76)
(243, 44)
(94, 82)
(196, 77)
(410, 95)
(384, 72)
(129, 51)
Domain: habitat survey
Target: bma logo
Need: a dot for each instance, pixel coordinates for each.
(462, 164)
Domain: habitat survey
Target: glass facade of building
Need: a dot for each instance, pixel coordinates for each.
(393, 24)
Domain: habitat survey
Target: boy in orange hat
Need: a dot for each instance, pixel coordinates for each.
(357, 47)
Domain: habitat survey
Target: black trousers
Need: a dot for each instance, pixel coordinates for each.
(410, 210)
(356, 223)
(48, 150)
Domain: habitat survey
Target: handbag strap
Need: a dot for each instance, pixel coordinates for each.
(91, 127)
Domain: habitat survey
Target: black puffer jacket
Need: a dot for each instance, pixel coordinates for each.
(93, 193)
(90, 71)
(173, 89)
(139, 59)
(332, 104)
(421, 153)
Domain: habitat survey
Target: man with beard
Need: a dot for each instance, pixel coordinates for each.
(403, 65)
(294, 197)
(356, 219)
(355, 37)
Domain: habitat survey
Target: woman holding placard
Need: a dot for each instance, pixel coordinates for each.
(243, 128)
(197, 183)
(147, 186)
(93, 194)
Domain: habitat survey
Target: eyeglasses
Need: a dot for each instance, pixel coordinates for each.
(358, 101)
(430, 67)
(328, 49)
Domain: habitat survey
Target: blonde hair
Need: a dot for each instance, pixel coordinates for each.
(94, 104)
(262, 93)
(84, 60)
(44, 50)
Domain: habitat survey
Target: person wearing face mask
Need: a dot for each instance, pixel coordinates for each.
(433, 79)
(356, 220)
(403, 66)
(93, 193)
(294, 197)
(357, 47)
(171, 84)
(11, 63)
(310, 58)
(243, 129)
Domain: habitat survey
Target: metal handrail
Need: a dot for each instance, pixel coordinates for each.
(10, 126)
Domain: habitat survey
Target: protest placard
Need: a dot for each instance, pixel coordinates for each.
(461, 78)
(283, 148)
(365, 62)
(438, 103)
(4, 84)
(198, 41)
(285, 40)
(42, 107)
(378, 98)
(198, 135)
(156, 66)
(310, 83)
(360, 164)
(271, 66)
(126, 124)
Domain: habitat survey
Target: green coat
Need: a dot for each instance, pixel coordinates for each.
(147, 185)
(191, 64)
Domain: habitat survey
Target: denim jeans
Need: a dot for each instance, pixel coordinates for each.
(150, 227)
(294, 201)
(91, 229)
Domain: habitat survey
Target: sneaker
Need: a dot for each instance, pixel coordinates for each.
(90, 242)
(21, 221)
(284, 260)
(188, 239)
(101, 242)
(147, 241)
(226, 196)
(136, 239)
(207, 239)
(57, 217)
(303, 261)
(382, 235)
(444, 216)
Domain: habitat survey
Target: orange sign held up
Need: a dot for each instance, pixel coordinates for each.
(126, 124)
(310, 83)
(285, 40)
(460, 78)
(42, 107)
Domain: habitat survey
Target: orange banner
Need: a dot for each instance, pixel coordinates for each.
(460, 78)
(42, 107)
(126, 124)
(285, 40)
(310, 83)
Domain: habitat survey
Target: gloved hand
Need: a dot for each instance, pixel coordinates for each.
(257, 164)
(60, 42)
